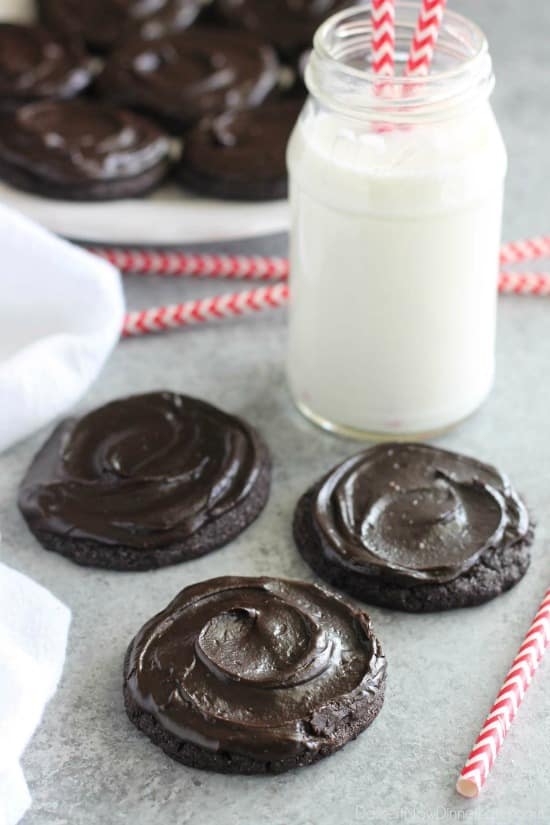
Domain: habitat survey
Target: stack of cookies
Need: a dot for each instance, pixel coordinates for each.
(106, 99)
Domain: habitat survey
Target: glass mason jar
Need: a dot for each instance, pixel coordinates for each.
(396, 189)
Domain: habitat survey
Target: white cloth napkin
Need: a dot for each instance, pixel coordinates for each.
(33, 638)
(61, 314)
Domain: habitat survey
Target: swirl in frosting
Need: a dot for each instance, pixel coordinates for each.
(143, 472)
(186, 75)
(36, 64)
(261, 667)
(67, 142)
(415, 514)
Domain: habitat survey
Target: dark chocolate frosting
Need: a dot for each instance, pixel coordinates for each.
(289, 24)
(248, 145)
(415, 514)
(185, 76)
(142, 472)
(102, 23)
(72, 141)
(36, 64)
(257, 666)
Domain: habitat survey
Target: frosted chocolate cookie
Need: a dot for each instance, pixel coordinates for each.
(412, 527)
(288, 24)
(186, 76)
(254, 675)
(145, 482)
(102, 23)
(82, 150)
(240, 155)
(36, 64)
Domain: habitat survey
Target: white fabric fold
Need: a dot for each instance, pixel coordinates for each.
(61, 314)
(34, 627)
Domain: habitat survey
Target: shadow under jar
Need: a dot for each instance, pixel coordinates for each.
(396, 189)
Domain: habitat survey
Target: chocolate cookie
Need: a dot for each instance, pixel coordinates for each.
(183, 77)
(145, 482)
(103, 23)
(289, 24)
(254, 675)
(36, 65)
(81, 150)
(240, 155)
(415, 528)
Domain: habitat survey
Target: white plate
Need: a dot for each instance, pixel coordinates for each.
(169, 216)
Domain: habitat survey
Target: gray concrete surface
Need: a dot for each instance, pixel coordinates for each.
(88, 766)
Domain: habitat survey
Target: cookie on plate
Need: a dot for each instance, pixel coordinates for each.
(290, 25)
(183, 77)
(36, 64)
(82, 150)
(103, 23)
(412, 527)
(240, 155)
(254, 675)
(145, 482)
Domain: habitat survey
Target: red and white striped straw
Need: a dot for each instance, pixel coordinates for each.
(180, 264)
(524, 283)
(383, 37)
(489, 742)
(532, 249)
(200, 311)
(425, 37)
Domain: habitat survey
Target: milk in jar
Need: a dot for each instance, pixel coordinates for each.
(396, 193)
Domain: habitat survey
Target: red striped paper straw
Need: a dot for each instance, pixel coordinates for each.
(425, 37)
(524, 283)
(201, 311)
(489, 742)
(180, 264)
(383, 37)
(531, 249)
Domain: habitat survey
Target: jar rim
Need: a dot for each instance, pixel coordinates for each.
(319, 42)
(440, 87)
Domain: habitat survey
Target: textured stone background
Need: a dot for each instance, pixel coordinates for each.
(88, 766)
